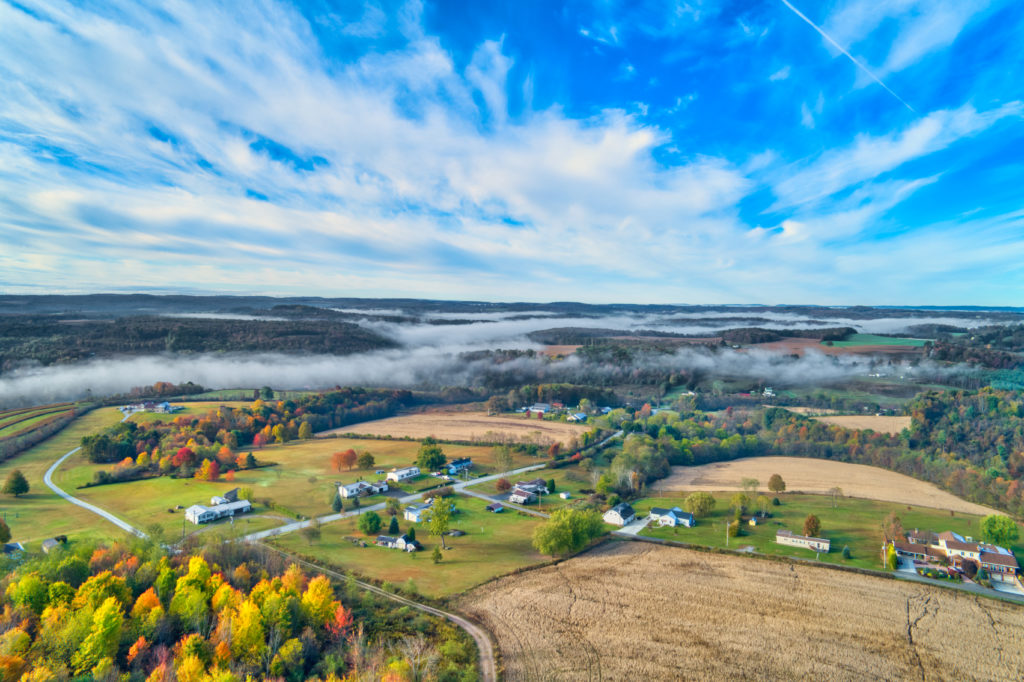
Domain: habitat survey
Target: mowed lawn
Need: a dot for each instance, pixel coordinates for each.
(303, 482)
(494, 544)
(563, 483)
(41, 514)
(196, 409)
(855, 523)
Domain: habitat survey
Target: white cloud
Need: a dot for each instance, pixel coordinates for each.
(780, 75)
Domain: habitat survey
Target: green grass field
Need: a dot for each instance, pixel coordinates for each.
(303, 482)
(494, 544)
(875, 340)
(855, 523)
(41, 514)
(192, 409)
(550, 502)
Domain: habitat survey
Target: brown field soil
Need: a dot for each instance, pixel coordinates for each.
(890, 425)
(559, 350)
(632, 611)
(807, 410)
(469, 426)
(809, 475)
(799, 345)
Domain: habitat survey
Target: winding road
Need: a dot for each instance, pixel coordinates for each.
(48, 480)
(488, 667)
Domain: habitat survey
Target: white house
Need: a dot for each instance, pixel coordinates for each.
(620, 514)
(672, 517)
(521, 496)
(198, 513)
(403, 474)
(788, 537)
(415, 512)
(362, 488)
(565, 495)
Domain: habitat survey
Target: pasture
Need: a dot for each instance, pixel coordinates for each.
(627, 610)
(468, 426)
(891, 425)
(41, 514)
(804, 474)
(853, 523)
(494, 544)
(303, 482)
(20, 421)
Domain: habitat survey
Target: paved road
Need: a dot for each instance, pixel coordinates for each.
(48, 480)
(488, 668)
(408, 499)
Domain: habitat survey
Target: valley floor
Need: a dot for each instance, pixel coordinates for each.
(633, 611)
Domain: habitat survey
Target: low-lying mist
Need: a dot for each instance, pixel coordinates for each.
(423, 367)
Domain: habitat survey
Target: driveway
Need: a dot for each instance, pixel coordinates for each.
(635, 527)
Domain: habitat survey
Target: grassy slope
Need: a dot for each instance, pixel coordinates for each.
(856, 523)
(303, 482)
(494, 544)
(41, 514)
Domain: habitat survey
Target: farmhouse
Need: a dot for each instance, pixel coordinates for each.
(404, 474)
(672, 517)
(522, 496)
(541, 408)
(402, 542)
(620, 514)
(524, 492)
(459, 465)
(788, 537)
(999, 562)
(229, 496)
(198, 513)
(414, 512)
(362, 488)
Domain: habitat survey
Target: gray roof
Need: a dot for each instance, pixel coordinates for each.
(623, 509)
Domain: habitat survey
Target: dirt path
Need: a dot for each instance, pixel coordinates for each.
(488, 667)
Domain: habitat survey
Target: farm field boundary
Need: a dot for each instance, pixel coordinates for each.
(811, 475)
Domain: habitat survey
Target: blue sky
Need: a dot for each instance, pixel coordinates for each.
(770, 152)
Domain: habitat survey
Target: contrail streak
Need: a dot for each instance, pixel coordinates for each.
(845, 52)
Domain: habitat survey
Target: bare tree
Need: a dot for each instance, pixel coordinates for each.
(420, 655)
(837, 494)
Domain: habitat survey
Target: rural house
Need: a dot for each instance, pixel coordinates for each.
(459, 465)
(362, 489)
(521, 496)
(402, 542)
(620, 514)
(198, 513)
(229, 496)
(414, 512)
(672, 517)
(495, 507)
(578, 417)
(403, 474)
(999, 562)
(788, 537)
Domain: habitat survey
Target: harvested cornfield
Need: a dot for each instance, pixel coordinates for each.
(632, 611)
(805, 474)
(879, 424)
(468, 426)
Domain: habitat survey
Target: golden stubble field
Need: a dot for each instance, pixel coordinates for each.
(468, 426)
(808, 475)
(879, 424)
(632, 611)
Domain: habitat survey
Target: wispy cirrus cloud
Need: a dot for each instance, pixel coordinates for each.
(199, 147)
